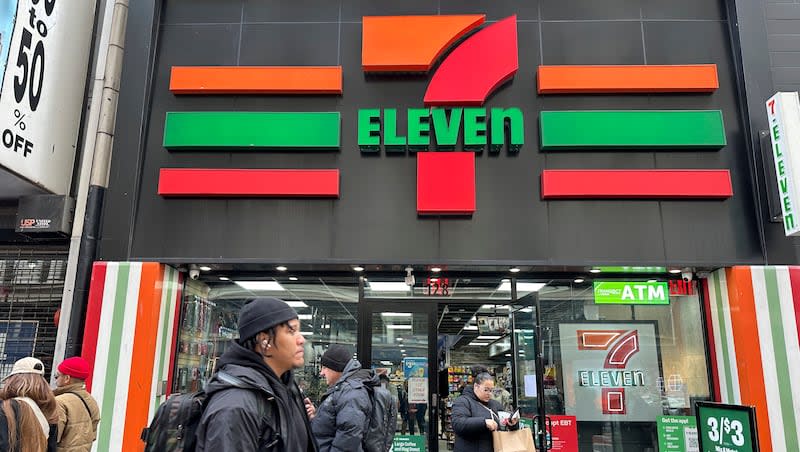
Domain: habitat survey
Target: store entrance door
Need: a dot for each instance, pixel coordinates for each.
(399, 341)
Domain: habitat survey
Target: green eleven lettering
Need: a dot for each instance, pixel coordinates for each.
(498, 128)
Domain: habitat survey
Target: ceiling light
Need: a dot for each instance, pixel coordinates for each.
(478, 343)
(307, 333)
(579, 280)
(489, 337)
(396, 314)
(674, 270)
(386, 363)
(388, 286)
(260, 285)
(358, 268)
(595, 270)
(436, 269)
(304, 316)
(297, 304)
(31, 264)
(505, 286)
(402, 350)
(205, 268)
(471, 328)
(514, 269)
(281, 268)
(494, 307)
(224, 278)
(400, 339)
(293, 278)
(652, 280)
(398, 327)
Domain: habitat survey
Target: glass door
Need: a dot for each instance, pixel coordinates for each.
(397, 339)
(606, 374)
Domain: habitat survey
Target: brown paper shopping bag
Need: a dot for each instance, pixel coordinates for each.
(514, 441)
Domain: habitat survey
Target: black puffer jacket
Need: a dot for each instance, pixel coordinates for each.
(342, 416)
(469, 422)
(271, 418)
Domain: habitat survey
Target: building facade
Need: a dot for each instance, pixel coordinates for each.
(573, 194)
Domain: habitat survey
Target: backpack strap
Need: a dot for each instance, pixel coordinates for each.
(88, 411)
(266, 415)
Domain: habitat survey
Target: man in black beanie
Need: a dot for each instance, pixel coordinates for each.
(341, 422)
(253, 402)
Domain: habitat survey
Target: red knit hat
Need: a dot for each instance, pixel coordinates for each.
(75, 367)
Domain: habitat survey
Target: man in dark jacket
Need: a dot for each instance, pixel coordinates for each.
(475, 417)
(269, 414)
(341, 420)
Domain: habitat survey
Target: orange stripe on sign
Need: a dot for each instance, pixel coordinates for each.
(256, 80)
(748, 348)
(410, 43)
(143, 356)
(693, 78)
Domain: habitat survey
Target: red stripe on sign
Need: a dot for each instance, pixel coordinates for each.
(794, 279)
(94, 307)
(282, 183)
(445, 183)
(653, 184)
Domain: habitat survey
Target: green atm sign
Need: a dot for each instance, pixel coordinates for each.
(630, 292)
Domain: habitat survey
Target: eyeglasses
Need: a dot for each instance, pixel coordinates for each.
(485, 389)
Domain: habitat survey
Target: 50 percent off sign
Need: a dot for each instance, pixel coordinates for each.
(43, 89)
(726, 428)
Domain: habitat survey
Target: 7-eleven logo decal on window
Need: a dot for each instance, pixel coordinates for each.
(610, 369)
(621, 346)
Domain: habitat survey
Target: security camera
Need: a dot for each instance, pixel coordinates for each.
(687, 275)
(409, 279)
(194, 272)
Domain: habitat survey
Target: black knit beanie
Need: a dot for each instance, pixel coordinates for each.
(336, 357)
(260, 314)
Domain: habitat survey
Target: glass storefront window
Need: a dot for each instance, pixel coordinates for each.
(615, 368)
(327, 310)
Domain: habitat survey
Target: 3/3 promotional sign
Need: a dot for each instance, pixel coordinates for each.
(43, 89)
(726, 428)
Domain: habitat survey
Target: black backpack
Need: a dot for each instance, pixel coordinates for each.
(382, 420)
(175, 423)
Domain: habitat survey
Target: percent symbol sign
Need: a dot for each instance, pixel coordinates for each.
(18, 114)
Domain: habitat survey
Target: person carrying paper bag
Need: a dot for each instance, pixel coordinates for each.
(475, 417)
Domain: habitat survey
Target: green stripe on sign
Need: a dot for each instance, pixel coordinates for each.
(248, 130)
(781, 358)
(632, 129)
(723, 337)
(114, 348)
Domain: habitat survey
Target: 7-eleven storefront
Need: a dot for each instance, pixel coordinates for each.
(565, 195)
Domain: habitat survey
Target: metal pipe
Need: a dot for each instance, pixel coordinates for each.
(99, 175)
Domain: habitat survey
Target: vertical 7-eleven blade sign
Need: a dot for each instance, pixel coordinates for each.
(414, 44)
(611, 370)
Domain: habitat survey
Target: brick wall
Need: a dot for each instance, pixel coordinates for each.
(783, 38)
